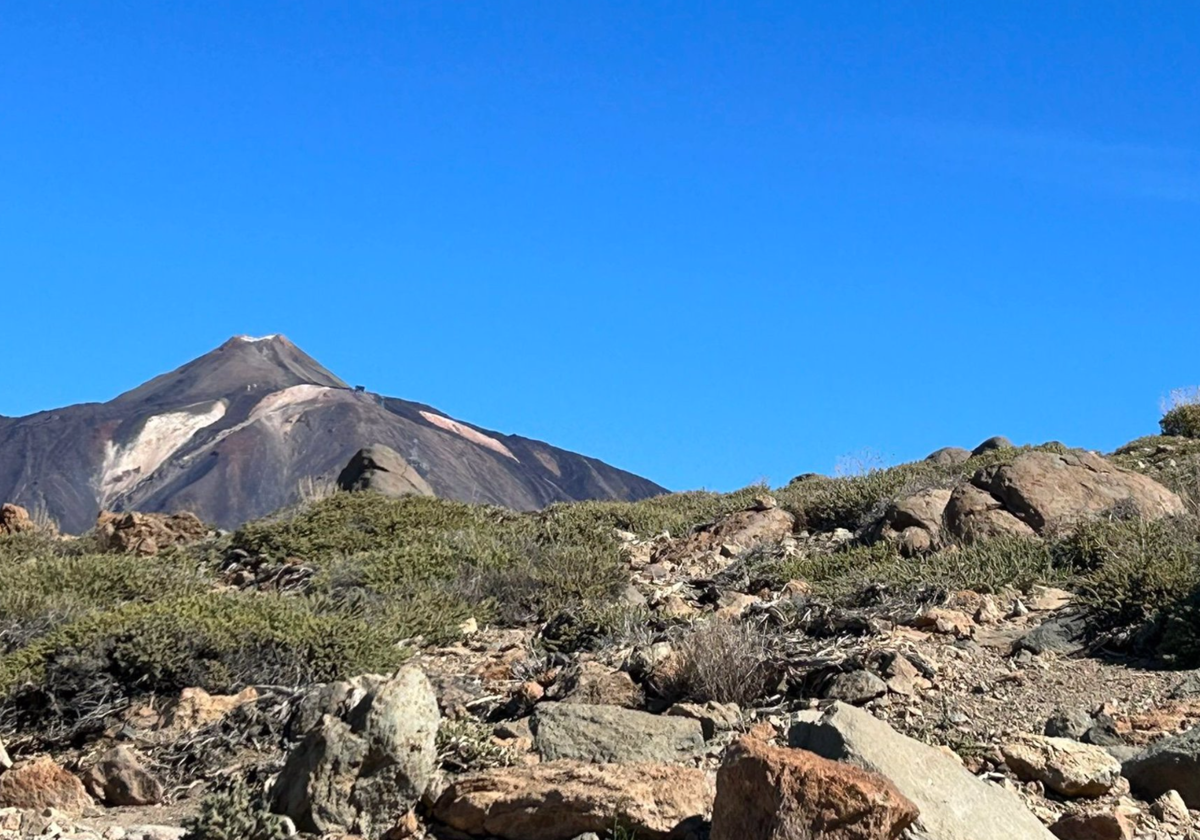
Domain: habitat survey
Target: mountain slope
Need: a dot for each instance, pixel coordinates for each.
(231, 436)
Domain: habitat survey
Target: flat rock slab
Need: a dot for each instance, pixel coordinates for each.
(612, 735)
(954, 804)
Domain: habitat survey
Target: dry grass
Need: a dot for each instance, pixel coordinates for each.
(724, 662)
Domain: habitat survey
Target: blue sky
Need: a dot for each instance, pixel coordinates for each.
(710, 242)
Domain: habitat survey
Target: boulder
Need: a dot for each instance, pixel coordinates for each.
(148, 533)
(1064, 635)
(973, 514)
(195, 708)
(561, 800)
(992, 444)
(39, 784)
(1064, 766)
(1172, 763)
(14, 519)
(608, 734)
(381, 469)
(5, 761)
(1046, 490)
(914, 523)
(949, 456)
(119, 780)
(768, 793)
(358, 773)
(953, 803)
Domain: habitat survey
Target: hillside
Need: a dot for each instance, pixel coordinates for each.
(1017, 622)
(235, 434)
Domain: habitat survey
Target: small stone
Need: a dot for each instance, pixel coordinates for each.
(1101, 825)
(1064, 724)
(1067, 767)
(530, 692)
(469, 627)
(796, 589)
(674, 606)
(855, 687)
(714, 717)
(1171, 808)
(946, 622)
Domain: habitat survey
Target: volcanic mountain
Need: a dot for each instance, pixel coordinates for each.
(235, 434)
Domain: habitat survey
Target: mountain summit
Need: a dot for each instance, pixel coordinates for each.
(234, 434)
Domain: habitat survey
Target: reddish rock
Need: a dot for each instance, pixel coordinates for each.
(769, 793)
(148, 533)
(39, 784)
(561, 800)
(14, 519)
(1102, 825)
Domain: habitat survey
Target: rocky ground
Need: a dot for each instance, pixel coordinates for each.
(721, 706)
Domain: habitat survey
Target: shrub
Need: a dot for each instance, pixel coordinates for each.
(1181, 413)
(215, 640)
(724, 662)
(1182, 421)
(1135, 569)
(235, 813)
(468, 745)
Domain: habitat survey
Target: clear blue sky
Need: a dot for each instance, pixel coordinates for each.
(710, 242)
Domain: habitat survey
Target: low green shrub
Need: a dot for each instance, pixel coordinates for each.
(235, 813)
(1182, 421)
(215, 640)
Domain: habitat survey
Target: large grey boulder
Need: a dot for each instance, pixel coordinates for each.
(381, 469)
(954, 804)
(949, 456)
(360, 771)
(612, 735)
(1042, 490)
(914, 523)
(1170, 764)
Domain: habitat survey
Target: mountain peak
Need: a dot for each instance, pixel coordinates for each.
(243, 364)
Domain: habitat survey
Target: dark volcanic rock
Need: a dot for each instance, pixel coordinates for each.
(380, 469)
(231, 436)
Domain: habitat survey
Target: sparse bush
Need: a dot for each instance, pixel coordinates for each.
(1181, 413)
(722, 661)
(1134, 569)
(1183, 421)
(468, 745)
(235, 813)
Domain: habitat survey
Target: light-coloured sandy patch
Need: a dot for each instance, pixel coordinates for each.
(548, 462)
(477, 438)
(159, 438)
(281, 410)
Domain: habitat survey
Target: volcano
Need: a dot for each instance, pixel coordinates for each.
(241, 432)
